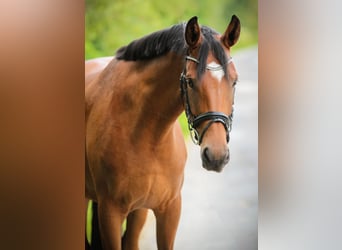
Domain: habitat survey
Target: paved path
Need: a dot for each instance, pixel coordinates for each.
(220, 210)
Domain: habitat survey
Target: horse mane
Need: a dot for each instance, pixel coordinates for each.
(154, 45)
(172, 39)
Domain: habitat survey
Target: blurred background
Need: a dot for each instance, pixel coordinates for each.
(219, 211)
(42, 119)
(112, 24)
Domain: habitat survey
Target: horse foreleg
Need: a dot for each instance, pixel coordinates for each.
(135, 223)
(110, 221)
(167, 223)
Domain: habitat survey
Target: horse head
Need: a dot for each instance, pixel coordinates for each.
(208, 85)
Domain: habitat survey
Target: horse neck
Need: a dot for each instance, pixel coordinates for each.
(160, 99)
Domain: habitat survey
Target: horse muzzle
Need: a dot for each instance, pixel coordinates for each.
(214, 160)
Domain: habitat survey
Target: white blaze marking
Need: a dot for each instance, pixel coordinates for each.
(219, 73)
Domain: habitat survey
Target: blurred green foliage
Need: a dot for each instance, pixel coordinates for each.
(111, 24)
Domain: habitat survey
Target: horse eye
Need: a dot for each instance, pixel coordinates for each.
(190, 83)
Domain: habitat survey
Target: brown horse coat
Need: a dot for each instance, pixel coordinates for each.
(135, 151)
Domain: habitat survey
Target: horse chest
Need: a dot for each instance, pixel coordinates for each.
(148, 181)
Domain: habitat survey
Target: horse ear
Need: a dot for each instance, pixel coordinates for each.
(232, 33)
(192, 32)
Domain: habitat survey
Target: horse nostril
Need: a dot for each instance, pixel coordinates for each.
(206, 154)
(227, 157)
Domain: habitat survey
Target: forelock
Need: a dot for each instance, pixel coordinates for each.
(209, 43)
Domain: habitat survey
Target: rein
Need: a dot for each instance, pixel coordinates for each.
(212, 116)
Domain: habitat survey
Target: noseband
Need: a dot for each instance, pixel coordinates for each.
(194, 121)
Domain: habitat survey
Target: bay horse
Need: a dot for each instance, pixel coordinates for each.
(135, 150)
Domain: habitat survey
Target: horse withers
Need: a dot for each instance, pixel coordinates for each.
(135, 150)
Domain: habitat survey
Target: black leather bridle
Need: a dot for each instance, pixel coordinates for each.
(194, 121)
